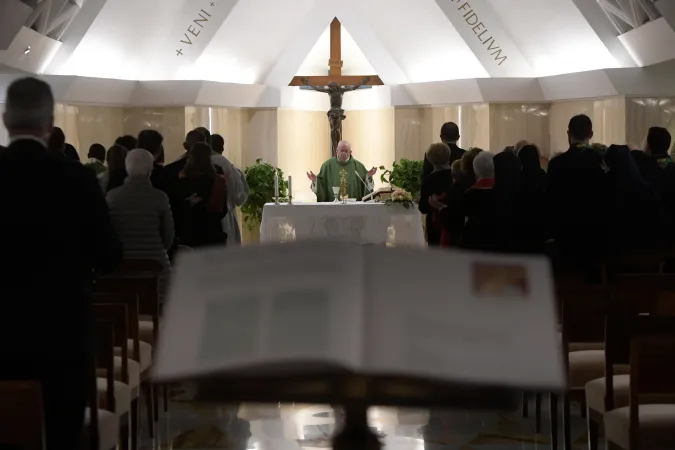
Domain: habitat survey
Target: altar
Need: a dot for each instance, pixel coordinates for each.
(374, 223)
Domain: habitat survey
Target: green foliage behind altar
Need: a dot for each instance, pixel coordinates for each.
(260, 179)
(405, 174)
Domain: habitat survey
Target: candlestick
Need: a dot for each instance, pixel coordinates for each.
(290, 189)
(276, 185)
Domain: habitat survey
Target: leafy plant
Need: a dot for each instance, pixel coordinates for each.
(260, 179)
(405, 174)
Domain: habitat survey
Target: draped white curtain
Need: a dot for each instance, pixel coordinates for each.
(4, 137)
(66, 118)
(228, 123)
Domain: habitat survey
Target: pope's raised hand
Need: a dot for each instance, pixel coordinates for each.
(311, 176)
(372, 171)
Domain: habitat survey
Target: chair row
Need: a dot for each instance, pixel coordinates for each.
(129, 301)
(126, 313)
(613, 341)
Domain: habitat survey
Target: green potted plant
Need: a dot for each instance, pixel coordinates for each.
(260, 179)
(405, 174)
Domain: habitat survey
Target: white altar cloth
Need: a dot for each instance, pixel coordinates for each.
(374, 223)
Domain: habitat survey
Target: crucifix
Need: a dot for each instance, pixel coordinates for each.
(336, 84)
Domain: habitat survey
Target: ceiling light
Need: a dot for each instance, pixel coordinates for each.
(27, 51)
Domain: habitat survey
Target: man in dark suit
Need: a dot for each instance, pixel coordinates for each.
(656, 166)
(54, 232)
(151, 140)
(449, 136)
(56, 143)
(577, 195)
(171, 174)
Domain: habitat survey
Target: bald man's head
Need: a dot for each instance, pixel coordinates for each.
(344, 151)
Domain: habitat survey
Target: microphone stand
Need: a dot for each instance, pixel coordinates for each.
(368, 190)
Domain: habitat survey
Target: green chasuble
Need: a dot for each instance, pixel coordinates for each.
(329, 177)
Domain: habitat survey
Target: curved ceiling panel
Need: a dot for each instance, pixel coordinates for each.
(354, 61)
(252, 39)
(553, 36)
(421, 40)
(145, 40)
(270, 41)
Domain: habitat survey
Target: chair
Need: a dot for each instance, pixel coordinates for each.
(23, 424)
(648, 422)
(102, 425)
(140, 277)
(649, 261)
(116, 313)
(584, 307)
(630, 296)
(133, 349)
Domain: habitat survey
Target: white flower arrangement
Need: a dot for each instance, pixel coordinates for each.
(401, 197)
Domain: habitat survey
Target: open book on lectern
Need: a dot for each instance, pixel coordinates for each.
(313, 307)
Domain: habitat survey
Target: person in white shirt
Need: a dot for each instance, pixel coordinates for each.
(237, 188)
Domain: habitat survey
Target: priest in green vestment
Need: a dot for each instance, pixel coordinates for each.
(332, 172)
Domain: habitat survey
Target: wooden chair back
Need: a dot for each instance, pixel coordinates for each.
(130, 301)
(116, 314)
(139, 266)
(648, 261)
(584, 308)
(632, 296)
(652, 357)
(144, 285)
(104, 355)
(652, 366)
(22, 422)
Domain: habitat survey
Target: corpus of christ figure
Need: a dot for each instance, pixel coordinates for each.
(336, 114)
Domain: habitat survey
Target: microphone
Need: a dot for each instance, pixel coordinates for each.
(364, 183)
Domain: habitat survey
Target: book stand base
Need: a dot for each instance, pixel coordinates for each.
(355, 433)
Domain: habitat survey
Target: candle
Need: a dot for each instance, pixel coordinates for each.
(276, 183)
(290, 186)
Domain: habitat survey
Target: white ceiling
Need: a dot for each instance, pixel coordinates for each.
(354, 61)
(270, 41)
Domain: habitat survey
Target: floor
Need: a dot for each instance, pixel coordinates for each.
(193, 425)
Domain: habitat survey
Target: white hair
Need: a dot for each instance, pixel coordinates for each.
(484, 166)
(139, 162)
(346, 144)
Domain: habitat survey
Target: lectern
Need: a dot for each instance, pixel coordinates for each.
(285, 323)
(380, 195)
(355, 393)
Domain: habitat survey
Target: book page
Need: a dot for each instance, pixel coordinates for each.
(462, 317)
(259, 307)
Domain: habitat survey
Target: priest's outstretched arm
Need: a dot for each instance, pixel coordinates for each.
(369, 182)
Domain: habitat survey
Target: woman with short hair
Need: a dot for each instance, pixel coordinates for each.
(141, 215)
(480, 229)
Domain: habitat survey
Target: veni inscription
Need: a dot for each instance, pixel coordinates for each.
(194, 29)
(480, 30)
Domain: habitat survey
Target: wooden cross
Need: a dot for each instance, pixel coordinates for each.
(335, 65)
